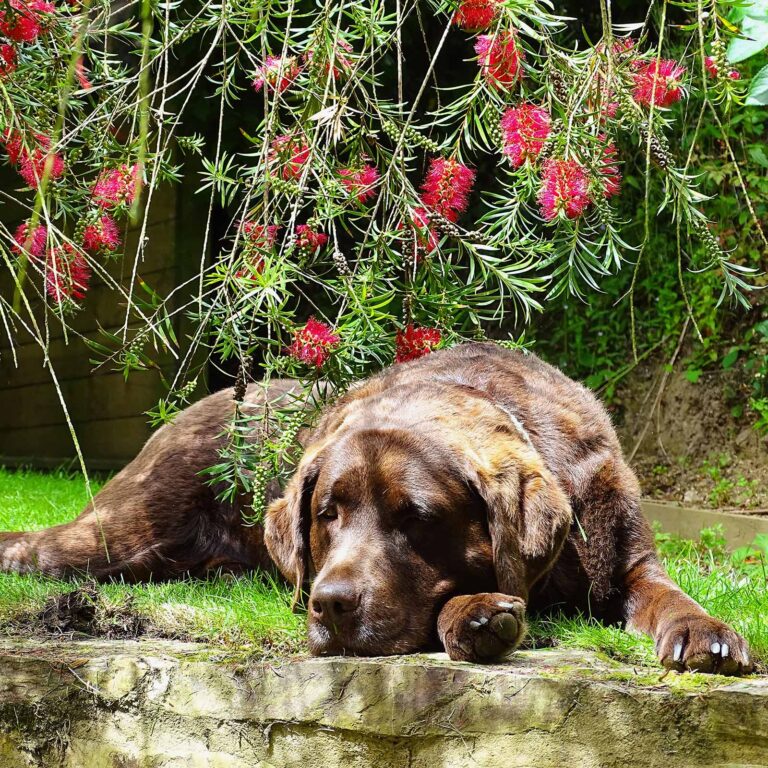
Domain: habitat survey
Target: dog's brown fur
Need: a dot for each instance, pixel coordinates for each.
(436, 500)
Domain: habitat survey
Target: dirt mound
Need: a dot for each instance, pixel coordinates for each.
(84, 610)
(688, 444)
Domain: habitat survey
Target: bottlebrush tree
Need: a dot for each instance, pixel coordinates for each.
(367, 227)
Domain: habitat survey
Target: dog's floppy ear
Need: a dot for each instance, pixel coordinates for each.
(529, 514)
(287, 523)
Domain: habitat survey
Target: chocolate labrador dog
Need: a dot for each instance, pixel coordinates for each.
(434, 502)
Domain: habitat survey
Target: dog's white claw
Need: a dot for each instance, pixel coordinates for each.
(724, 648)
(715, 648)
(484, 620)
(506, 606)
(475, 624)
(678, 652)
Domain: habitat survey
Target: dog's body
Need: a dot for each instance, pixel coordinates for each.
(435, 500)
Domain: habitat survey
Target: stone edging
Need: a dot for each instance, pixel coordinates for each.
(154, 704)
(739, 529)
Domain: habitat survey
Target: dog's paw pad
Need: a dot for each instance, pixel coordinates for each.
(484, 627)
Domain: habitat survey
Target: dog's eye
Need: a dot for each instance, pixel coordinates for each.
(412, 517)
(329, 513)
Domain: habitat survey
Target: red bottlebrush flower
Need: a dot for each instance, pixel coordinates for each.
(322, 62)
(33, 165)
(474, 15)
(658, 82)
(27, 19)
(414, 342)
(81, 73)
(116, 186)
(609, 168)
(7, 60)
(313, 343)
(290, 154)
(710, 64)
(66, 274)
(564, 189)
(102, 235)
(307, 239)
(360, 182)
(447, 186)
(276, 73)
(500, 58)
(525, 129)
(30, 243)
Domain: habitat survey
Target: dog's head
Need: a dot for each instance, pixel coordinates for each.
(388, 524)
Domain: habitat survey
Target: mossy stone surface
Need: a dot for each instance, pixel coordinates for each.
(154, 704)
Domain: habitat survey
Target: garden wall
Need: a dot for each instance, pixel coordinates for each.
(107, 411)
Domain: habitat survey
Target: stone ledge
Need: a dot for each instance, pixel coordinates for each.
(154, 704)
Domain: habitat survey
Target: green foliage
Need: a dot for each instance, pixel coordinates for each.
(290, 103)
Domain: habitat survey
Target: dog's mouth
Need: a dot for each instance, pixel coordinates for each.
(366, 638)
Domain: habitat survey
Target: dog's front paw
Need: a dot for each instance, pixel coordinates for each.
(481, 627)
(700, 643)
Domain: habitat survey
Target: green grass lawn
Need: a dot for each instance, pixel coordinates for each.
(251, 610)
(255, 611)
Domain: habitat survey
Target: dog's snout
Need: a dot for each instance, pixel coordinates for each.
(335, 603)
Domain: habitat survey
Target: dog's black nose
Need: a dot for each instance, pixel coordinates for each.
(334, 603)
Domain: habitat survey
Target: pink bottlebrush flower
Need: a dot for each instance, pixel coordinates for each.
(66, 274)
(474, 15)
(360, 182)
(7, 60)
(308, 240)
(658, 82)
(30, 243)
(313, 343)
(259, 236)
(623, 46)
(413, 342)
(101, 235)
(81, 73)
(500, 58)
(447, 186)
(525, 129)
(276, 73)
(257, 239)
(608, 110)
(609, 168)
(27, 20)
(41, 160)
(322, 62)
(116, 186)
(564, 189)
(13, 144)
(427, 238)
(710, 64)
(290, 154)
(601, 97)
